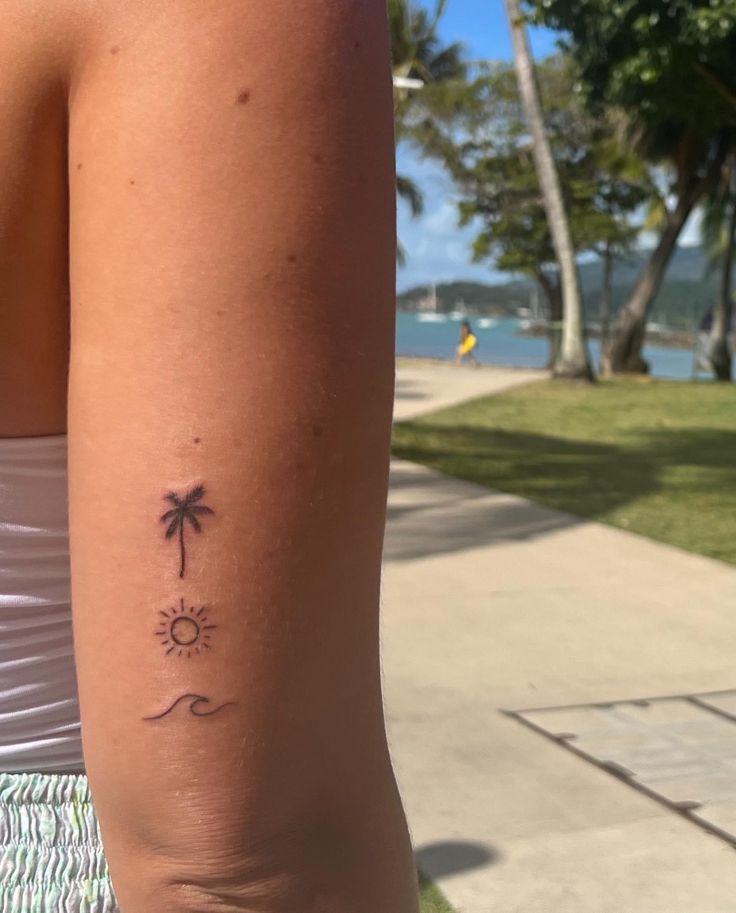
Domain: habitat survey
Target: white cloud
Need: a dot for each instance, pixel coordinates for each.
(443, 221)
(436, 249)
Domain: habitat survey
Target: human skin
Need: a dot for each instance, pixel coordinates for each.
(231, 251)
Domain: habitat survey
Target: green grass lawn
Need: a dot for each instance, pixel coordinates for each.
(432, 900)
(656, 458)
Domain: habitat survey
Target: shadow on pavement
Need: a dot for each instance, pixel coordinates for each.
(408, 390)
(426, 518)
(448, 857)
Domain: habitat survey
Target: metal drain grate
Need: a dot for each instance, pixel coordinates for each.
(679, 750)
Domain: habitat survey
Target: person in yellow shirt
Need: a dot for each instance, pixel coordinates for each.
(468, 343)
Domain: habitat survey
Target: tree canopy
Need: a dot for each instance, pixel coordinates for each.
(667, 63)
(476, 128)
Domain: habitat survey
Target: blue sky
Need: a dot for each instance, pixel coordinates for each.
(481, 26)
(436, 249)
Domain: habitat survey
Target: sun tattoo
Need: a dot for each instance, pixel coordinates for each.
(185, 510)
(185, 631)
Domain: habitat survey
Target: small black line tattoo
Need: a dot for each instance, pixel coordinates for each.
(185, 510)
(195, 701)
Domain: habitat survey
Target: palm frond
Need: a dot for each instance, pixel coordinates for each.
(174, 512)
(438, 13)
(199, 509)
(410, 193)
(173, 498)
(193, 520)
(174, 525)
(400, 253)
(194, 495)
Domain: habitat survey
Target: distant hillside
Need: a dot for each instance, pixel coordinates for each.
(503, 299)
(687, 292)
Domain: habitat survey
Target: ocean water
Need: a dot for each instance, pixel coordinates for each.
(499, 344)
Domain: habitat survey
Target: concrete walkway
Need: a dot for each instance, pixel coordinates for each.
(425, 386)
(491, 603)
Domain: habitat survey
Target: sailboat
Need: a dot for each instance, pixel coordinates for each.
(459, 312)
(533, 315)
(429, 308)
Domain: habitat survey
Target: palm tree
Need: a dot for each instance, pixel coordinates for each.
(696, 165)
(416, 53)
(719, 236)
(185, 510)
(572, 356)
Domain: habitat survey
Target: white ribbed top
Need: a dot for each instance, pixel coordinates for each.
(39, 711)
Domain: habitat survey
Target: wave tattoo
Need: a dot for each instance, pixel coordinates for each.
(196, 701)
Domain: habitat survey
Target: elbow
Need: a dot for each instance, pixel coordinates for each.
(201, 886)
(221, 894)
(321, 869)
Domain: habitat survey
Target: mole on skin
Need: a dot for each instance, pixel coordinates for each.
(292, 258)
(317, 430)
(243, 97)
(114, 49)
(197, 440)
(79, 166)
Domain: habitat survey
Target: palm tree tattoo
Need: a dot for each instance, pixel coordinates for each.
(185, 510)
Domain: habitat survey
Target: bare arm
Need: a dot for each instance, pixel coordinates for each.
(232, 344)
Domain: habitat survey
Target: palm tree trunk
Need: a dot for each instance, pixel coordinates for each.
(606, 294)
(181, 548)
(572, 359)
(623, 352)
(553, 294)
(720, 353)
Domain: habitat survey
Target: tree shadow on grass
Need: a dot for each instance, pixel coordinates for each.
(425, 518)
(708, 448)
(582, 479)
